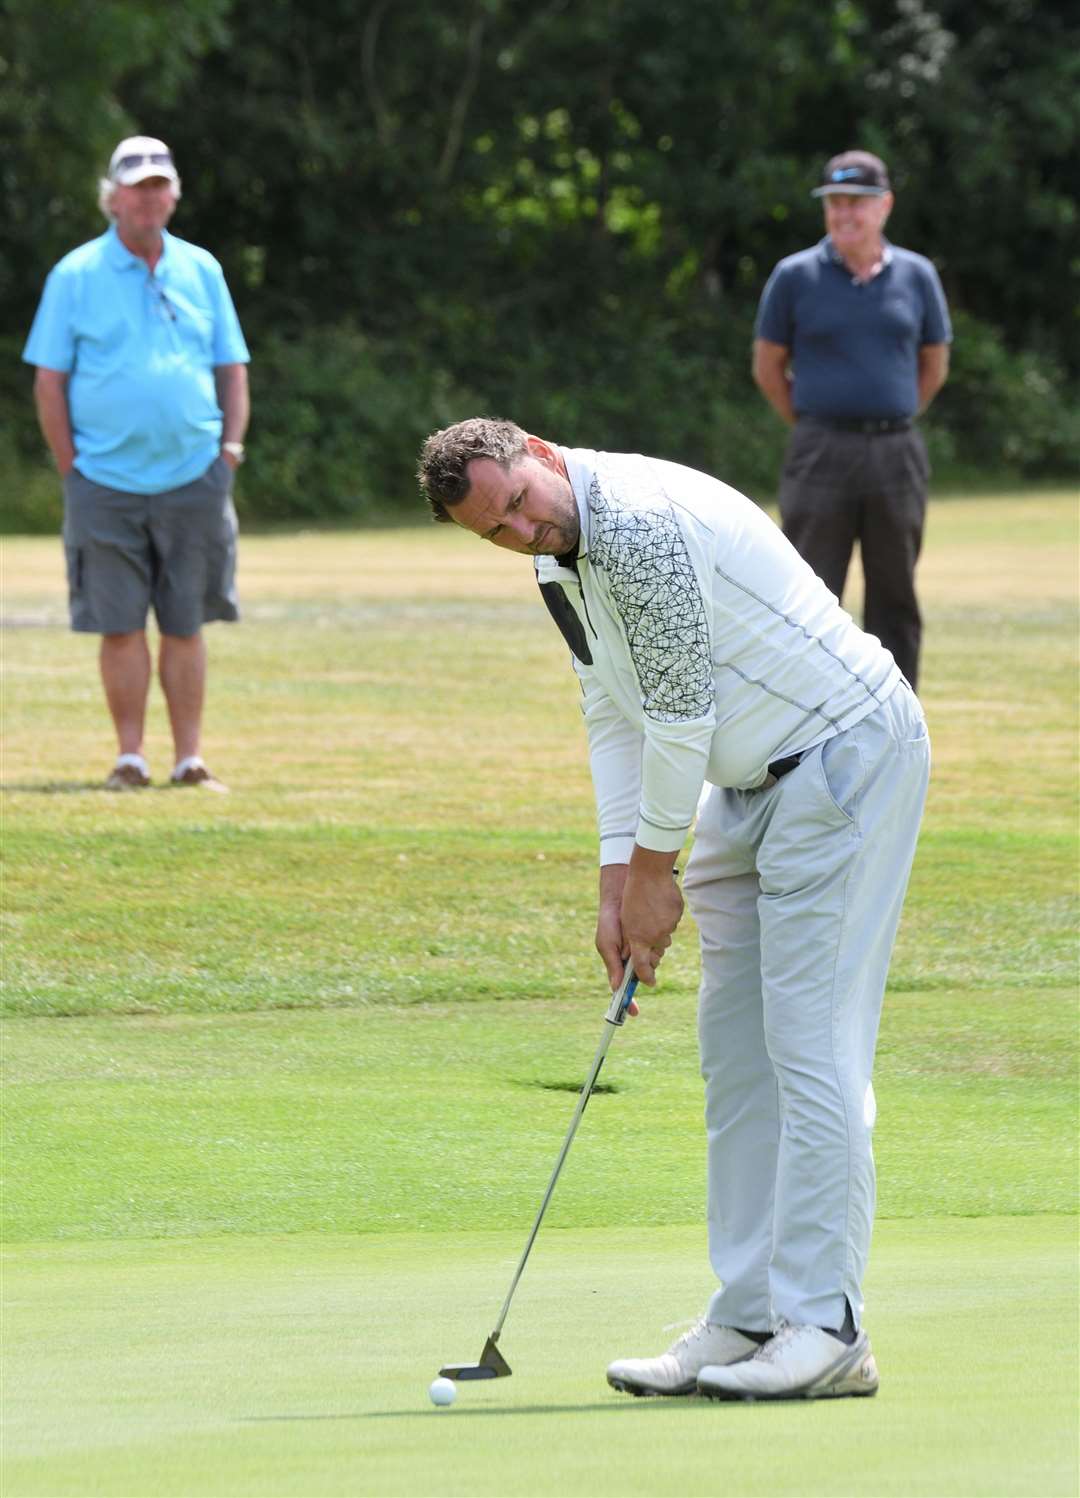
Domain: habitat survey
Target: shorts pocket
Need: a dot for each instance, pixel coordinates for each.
(73, 556)
(219, 474)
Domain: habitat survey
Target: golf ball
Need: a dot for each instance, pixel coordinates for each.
(442, 1391)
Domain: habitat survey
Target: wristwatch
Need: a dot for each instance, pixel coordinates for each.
(234, 449)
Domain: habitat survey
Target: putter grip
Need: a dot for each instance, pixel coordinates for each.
(620, 1000)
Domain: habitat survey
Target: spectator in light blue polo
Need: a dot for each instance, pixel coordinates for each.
(141, 392)
(851, 346)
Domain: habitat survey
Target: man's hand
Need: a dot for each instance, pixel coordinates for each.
(771, 375)
(609, 938)
(652, 906)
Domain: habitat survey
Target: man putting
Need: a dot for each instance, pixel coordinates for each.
(710, 655)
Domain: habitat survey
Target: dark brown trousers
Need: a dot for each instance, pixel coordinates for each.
(840, 487)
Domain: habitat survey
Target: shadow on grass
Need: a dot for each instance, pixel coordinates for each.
(79, 787)
(685, 1402)
(54, 788)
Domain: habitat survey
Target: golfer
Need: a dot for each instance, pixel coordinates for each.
(712, 658)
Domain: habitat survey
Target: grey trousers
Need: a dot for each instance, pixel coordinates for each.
(797, 892)
(841, 487)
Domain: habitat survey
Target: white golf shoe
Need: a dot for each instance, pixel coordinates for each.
(676, 1371)
(799, 1362)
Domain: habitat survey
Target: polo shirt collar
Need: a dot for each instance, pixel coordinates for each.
(579, 483)
(121, 258)
(828, 252)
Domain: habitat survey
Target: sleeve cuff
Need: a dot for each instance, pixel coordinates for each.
(616, 850)
(661, 839)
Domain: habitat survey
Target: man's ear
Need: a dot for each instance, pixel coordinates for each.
(543, 452)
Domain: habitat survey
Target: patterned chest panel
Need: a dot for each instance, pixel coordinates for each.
(651, 579)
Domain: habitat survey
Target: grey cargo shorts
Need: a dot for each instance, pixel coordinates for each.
(174, 552)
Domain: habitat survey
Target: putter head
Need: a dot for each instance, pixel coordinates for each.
(492, 1364)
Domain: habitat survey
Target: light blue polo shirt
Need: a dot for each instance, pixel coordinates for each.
(854, 344)
(140, 349)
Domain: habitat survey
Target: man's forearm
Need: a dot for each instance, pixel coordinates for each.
(776, 388)
(232, 392)
(930, 382)
(50, 399)
(769, 367)
(933, 371)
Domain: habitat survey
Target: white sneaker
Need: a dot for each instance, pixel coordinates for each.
(676, 1371)
(799, 1362)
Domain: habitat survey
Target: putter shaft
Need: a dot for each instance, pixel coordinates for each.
(492, 1364)
(612, 1019)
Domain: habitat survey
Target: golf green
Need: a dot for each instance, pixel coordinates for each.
(300, 1365)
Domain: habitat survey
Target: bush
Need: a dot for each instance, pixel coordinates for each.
(337, 423)
(1007, 410)
(31, 501)
(339, 416)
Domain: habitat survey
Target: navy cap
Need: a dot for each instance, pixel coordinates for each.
(856, 173)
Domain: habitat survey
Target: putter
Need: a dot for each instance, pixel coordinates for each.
(492, 1364)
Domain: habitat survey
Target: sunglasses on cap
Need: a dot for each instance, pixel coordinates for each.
(156, 158)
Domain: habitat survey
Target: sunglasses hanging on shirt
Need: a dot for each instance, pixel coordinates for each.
(165, 307)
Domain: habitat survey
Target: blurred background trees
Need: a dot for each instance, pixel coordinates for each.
(562, 211)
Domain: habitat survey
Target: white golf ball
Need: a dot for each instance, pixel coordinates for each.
(442, 1391)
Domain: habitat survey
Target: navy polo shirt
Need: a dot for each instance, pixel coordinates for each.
(854, 345)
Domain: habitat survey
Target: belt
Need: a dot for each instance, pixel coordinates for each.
(781, 767)
(873, 426)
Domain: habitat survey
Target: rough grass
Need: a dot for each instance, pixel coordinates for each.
(384, 843)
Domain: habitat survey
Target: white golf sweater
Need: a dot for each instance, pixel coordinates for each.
(705, 645)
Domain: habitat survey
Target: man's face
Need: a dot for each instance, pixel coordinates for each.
(854, 222)
(144, 209)
(529, 508)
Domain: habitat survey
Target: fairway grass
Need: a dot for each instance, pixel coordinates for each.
(300, 1366)
(378, 1118)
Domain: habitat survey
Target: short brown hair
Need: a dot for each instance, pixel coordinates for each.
(446, 455)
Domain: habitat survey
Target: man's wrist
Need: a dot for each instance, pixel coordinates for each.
(652, 863)
(235, 450)
(612, 881)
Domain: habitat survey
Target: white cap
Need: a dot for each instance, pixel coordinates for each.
(140, 157)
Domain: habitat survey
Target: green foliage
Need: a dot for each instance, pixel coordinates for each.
(60, 116)
(563, 213)
(1014, 409)
(341, 419)
(31, 501)
(30, 495)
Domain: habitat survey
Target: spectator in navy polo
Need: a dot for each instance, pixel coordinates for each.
(141, 392)
(851, 345)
